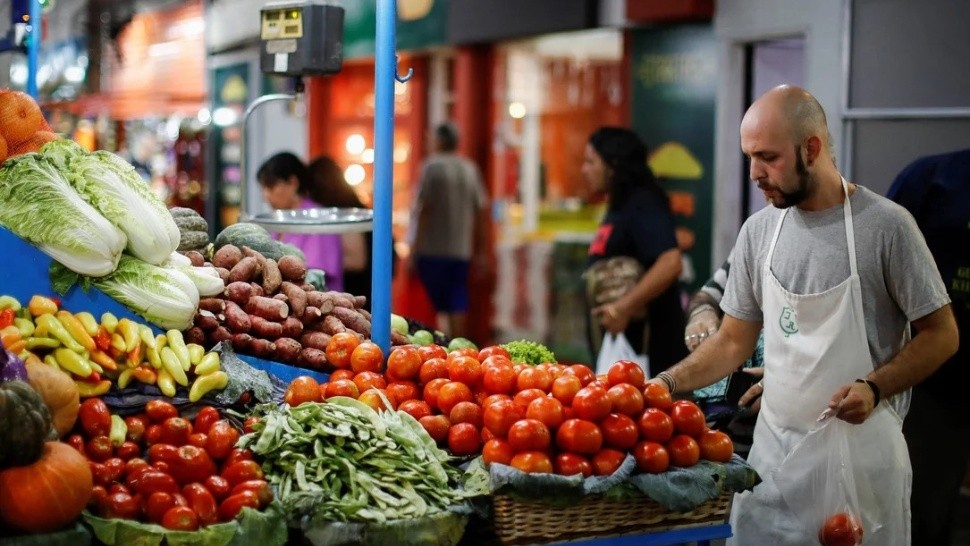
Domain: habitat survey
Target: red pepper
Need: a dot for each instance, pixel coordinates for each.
(57, 302)
(94, 378)
(6, 317)
(102, 340)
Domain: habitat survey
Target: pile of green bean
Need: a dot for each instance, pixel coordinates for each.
(342, 461)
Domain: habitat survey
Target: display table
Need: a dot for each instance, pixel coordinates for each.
(690, 535)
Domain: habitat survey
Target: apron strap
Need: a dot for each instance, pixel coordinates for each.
(849, 229)
(774, 238)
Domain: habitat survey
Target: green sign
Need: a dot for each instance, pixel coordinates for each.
(673, 104)
(420, 24)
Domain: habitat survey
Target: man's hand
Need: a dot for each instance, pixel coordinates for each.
(703, 323)
(754, 392)
(853, 403)
(611, 317)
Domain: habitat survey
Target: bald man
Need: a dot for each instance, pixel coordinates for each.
(835, 273)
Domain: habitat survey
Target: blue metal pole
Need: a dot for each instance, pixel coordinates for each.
(386, 69)
(33, 47)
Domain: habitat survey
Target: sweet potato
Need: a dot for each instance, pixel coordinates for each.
(352, 320)
(321, 300)
(360, 301)
(272, 278)
(195, 335)
(257, 289)
(310, 315)
(307, 287)
(317, 340)
(292, 327)
(196, 257)
(227, 256)
(292, 268)
(268, 308)
(398, 338)
(223, 274)
(246, 270)
(343, 300)
(241, 342)
(239, 292)
(332, 325)
(220, 334)
(262, 347)
(206, 320)
(365, 313)
(265, 329)
(295, 296)
(212, 305)
(236, 319)
(314, 359)
(287, 349)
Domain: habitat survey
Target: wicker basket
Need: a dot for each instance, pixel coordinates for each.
(527, 522)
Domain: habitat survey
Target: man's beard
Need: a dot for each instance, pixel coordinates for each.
(806, 183)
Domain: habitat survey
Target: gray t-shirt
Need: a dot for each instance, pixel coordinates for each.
(451, 194)
(900, 281)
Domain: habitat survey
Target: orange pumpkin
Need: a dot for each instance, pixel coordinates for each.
(3, 149)
(47, 495)
(59, 392)
(20, 117)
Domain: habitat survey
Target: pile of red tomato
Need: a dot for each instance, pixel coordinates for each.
(169, 470)
(545, 418)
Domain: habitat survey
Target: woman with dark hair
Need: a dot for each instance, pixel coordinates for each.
(287, 184)
(638, 225)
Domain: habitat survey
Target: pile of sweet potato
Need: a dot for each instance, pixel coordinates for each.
(268, 311)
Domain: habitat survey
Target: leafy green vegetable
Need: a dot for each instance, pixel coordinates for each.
(529, 352)
(39, 205)
(114, 189)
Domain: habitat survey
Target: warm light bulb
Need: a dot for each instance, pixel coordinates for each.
(354, 174)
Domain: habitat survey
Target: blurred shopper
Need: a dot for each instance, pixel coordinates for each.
(448, 228)
(835, 273)
(286, 184)
(638, 224)
(936, 190)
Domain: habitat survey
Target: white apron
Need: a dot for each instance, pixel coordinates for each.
(814, 344)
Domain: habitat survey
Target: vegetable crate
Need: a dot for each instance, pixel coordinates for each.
(529, 522)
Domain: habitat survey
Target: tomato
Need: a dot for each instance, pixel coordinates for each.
(135, 464)
(301, 390)
(532, 461)
(607, 461)
(261, 487)
(115, 468)
(716, 446)
(436, 368)
(202, 502)
(136, 428)
(655, 425)
(248, 424)
(565, 387)
(492, 350)
(579, 436)
(218, 486)
(176, 431)
(464, 439)
(522, 399)
(340, 348)
(121, 505)
(153, 434)
(841, 529)
(99, 448)
(128, 450)
(529, 435)
(367, 357)
(499, 416)
(403, 391)
(157, 504)
(160, 410)
(342, 374)
(651, 457)
(99, 473)
(583, 372)
(242, 471)
(95, 417)
(683, 450)
(427, 352)
(466, 412)
(237, 454)
(657, 396)
(591, 404)
(452, 393)
(415, 408)
(464, 351)
(99, 497)
(77, 442)
(534, 378)
(342, 387)
(162, 452)
(619, 431)
(192, 464)
(161, 466)
(497, 450)
(492, 398)
(688, 418)
(487, 435)
(152, 480)
(233, 504)
(625, 371)
(626, 399)
(369, 380)
(465, 369)
(372, 397)
(570, 464)
(180, 518)
(437, 427)
(204, 419)
(498, 379)
(546, 410)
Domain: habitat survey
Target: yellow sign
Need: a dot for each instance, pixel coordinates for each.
(674, 160)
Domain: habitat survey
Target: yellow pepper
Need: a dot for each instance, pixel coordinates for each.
(118, 343)
(153, 357)
(147, 337)
(165, 383)
(170, 364)
(177, 343)
(196, 352)
(110, 322)
(74, 327)
(39, 305)
(87, 390)
(56, 329)
(129, 329)
(26, 327)
(209, 363)
(125, 378)
(145, 375)
(103, 360)
(89, 322)
(203, 384)
(9, 302)
(73, 362)
(42, 343)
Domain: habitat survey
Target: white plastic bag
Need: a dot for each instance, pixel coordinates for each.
(616, 347)
(850, 481)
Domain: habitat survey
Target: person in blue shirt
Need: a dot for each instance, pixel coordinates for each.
(936, 191)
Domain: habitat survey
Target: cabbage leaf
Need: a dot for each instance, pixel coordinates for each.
(38, 203)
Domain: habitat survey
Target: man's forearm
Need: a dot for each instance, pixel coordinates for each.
(717, 357)
(936, 340)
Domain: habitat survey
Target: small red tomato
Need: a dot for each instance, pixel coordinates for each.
(176, 431)
(118, 488)
(366, 357)
(221, 439)
(95, 417)
(260, 487)
(152, 481)
(128, 450)
(162, 452)
(570, 464)
(202, 502)
(204, 419)
(242, 471)
(99, 496)
(153, 434)
(99, 448)
(198, 439)
(233, 504)
(99, 474)
(180, 518)
(497, 450)
(136, 428)
(160, 410)
(607, 461)
(218, 486)
(237, 454)
(77, 442)
(464, 439)
(248, 424)
(192, 464)
(121, 505)
(841, 529)
(157, 504)
(115, 468)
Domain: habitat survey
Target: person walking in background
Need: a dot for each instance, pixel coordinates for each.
(448, 223)
(638, 224)
(936, 191)
(286, 184)
(835, 273)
